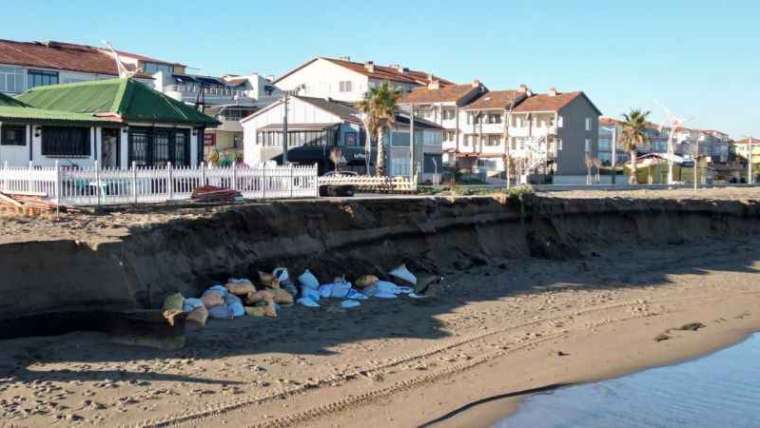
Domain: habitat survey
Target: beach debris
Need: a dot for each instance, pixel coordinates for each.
(216, 194)
(283, 277)
(307, 279)
(403, 276)
(172, 307)
(196, 318)
(661, 337)
(692, 326)
(365, 281)
(213, 297)
(234, 304)
(268, 280)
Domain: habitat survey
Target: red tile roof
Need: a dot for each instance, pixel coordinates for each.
(547, 102)
(449, 93)
(380, 72)
(59, 56)
(496, 100)
(754, 141)
(147, 58)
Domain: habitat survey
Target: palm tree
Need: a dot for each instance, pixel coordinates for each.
(634, 136)
(380, 106)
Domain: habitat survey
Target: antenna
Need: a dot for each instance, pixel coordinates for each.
(123, 72)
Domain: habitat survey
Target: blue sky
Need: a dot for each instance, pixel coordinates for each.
(700, 59)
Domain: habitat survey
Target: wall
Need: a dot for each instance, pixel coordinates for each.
(322, 79)
(571, 159)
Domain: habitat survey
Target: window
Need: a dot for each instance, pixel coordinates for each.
(62, 141)
(157, 147)
(588, 124)
(560, 122)
(494, 118)
(449, 135)
(448, 114)
(350, 138)
(152, 67)
(13, 135)
(11, 79)
(345, 86)
(42, 78)
(588, 145)
(493, 140)
(559, 144)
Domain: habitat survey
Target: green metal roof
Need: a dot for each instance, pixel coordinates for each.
(14, 110)
(125, 99)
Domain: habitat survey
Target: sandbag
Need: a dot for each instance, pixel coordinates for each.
(365, 281)
(212, 299)
(338, 289)
(196, 319)
(222, 312)
(282, 297)
(349, 304)
(403, 276)
(190, 304)
(235, 305)
(307, 279)
(259, 296)
(261, 311)
(173, 302)
(268, 280)
(240, 286)
(281, 274)
(308, 302)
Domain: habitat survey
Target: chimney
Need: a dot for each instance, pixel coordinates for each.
(400, 68)
(553, 92)
(434, 84)
(370, 66)
(475, 83)
(523, 89)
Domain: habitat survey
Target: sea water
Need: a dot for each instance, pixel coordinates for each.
(718, 390)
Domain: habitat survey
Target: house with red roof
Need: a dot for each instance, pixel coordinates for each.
(345, 80)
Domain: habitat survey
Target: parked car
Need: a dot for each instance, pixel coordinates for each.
(337, 189)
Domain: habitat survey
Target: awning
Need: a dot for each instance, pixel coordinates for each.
(299, 127)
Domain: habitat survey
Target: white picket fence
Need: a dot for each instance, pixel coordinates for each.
(97, 186)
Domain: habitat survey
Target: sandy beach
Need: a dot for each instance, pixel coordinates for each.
(505, 326)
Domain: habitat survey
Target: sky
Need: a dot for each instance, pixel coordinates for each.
(698, 59)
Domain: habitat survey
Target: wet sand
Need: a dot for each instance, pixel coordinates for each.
(485, 331)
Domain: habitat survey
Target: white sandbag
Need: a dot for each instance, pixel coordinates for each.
(310, 293)
(235, 305)
(221, 312)
(382, 290)
(349, 304)
(335, 290)
(309, 303)
(281, 273)
(308, 279)
(403, 274)
(191, 304)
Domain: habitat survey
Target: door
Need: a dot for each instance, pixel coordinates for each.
(110, 148)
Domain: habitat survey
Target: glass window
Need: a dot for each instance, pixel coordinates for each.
(588, 124)
(560, 122)
(65, 141)
(345, 86)
(588, 145)
(161, 148)
(449, 114)
(41, 78)
(13, 135)
(493, 140)
(152, 67)
(11, 80)
(181, 148)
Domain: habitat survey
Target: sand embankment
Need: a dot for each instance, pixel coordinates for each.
(606, 276)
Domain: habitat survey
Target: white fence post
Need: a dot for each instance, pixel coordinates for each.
(234, 176)
(315, 177)
(31, 178)
(58, 179)
(134, 182)
(264, 181)
(97, 181)
(5, 176)
(203, 174)
(170, 182)
(290, 182)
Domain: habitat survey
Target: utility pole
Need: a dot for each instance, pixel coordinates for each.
(411, 143)
(285, 129)
(507, 121)
(613, 156)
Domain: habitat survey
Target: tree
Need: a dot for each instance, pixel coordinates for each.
(634, 136)
(380, 105)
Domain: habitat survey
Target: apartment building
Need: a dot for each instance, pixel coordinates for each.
(344, 80)
(443, 105)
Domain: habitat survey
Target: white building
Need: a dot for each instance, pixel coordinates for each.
(345, 80)
(317, 125)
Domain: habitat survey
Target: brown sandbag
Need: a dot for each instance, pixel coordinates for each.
(196, 319)
(365, 281)
(261, 311)
(268, 280)
(282, 297)
(240, 287)
(211, 299)
(173, 302)
(259, 296)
